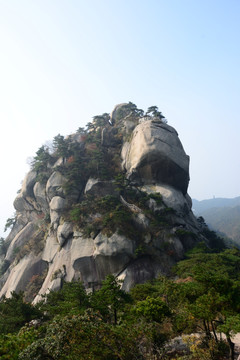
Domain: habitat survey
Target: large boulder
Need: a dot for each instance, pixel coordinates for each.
(143, 269)
(56, 205)
(100, 188)
(21, 204)
(25, 200)
(112, 253)
(21, 274)
(155, 154)
(39, 191)
(28, 183)
(119, 112)
(51, 248)
(22, 237)
(112, 246)
(55, 184)
(64, 232)
(172, 197)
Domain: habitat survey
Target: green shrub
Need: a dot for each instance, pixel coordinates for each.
(4, 267)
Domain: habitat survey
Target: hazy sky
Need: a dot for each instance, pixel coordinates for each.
(62, 62)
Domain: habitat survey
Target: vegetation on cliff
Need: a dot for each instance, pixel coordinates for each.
(87, 186)
(111, 324)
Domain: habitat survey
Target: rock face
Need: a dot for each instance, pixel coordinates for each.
(115, 202)
(155, 154)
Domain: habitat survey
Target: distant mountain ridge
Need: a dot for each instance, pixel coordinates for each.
(203, 205)
(221, 214)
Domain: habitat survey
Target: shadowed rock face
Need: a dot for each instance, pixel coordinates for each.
(136, 239)
(155, 154)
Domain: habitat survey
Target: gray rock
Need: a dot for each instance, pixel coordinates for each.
(90, 183)
(81, 248)
(112, 254)
(54, 185)
(177, 247)
(172, 197)
(180, 346)
(152, 204)
(57, 205)
(124, 152)
(119, 112)
(64, 232)
(143, 269)
(83, 262)
(114, 245)
(55, 284)
(60, 264)
(129, 125)
(39, 191)
(28, 183)
(99, 188)
(73, 261)
(21, 274)
(51, 248)
(21, 204)
(17, 227)
(20, 239)
(141, 221)
(156, 155)
(109, 138)
(59, 162)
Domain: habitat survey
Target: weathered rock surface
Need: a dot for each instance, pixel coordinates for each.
(99, 188)
(40, 195)
(119, 112)
(54, 185)
(64, 232)
(131, 226)
(20, 239)
(22, 273)
(156, 154)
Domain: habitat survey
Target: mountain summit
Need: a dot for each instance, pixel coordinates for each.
(111, 198)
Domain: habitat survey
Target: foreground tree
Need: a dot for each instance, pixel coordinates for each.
(15, 312)
(212, 294)
(110, 299)
(71, 299)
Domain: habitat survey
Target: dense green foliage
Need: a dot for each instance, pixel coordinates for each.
(112, 324)
(15, 313)
(10, 223)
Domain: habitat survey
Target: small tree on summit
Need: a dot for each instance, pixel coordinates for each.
(101, 120)
(61, 146)
(153, 110)
(41, 159)
(134, 110)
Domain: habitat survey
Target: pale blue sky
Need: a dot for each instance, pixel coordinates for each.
(62, 62)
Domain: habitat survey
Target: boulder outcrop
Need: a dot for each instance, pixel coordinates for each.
(115, 202)
(156, 155)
